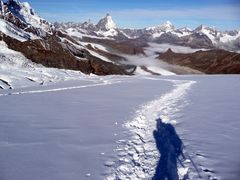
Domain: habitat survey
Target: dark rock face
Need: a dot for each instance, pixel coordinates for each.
(51, 53)
(168, 38)
(149, 71)
(209, 62)
(48, 53)
(105, 68)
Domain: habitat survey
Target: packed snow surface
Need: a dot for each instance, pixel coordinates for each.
(98, 127)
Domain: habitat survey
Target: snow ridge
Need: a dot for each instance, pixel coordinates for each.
(139, 156)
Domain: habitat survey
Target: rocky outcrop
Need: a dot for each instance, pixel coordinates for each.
(105, 68)
(209, 62)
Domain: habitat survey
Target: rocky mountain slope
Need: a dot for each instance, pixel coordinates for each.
(209, 62)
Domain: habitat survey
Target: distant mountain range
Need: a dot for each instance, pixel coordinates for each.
(201, 37)
(105, 49)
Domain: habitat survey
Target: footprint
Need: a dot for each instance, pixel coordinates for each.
(201, 155)
(208, 171)
(88, 175)
(109, 163)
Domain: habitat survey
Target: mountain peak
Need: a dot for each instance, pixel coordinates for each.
(19, 21)
(106, 23)
(22, 14)
(185, 29)
(203, 28)
(168, 25)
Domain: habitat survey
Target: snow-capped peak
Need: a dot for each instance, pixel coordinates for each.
(202, 28)
(25, 13)
(168, 25)
(27, 8)
(185, 29)
(106, 23)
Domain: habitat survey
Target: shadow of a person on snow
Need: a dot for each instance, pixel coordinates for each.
(170, 148)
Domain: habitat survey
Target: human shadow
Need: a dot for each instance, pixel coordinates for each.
(170, 147)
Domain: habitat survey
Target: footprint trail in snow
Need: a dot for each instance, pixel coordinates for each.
(138, 156)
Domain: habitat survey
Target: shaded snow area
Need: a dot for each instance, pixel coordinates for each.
(17, 71)
(102, 128)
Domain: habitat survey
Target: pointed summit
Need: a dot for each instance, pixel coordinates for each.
(200, 28)
(106, 23)
(168, 25)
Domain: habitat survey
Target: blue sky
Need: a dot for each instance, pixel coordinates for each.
(223, 14)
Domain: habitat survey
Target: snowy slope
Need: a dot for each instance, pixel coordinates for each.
(63, 146)
(65, 131)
